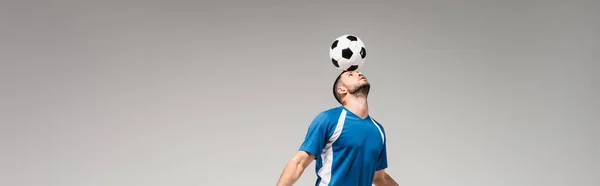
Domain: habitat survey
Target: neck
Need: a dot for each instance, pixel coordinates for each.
(358, 106)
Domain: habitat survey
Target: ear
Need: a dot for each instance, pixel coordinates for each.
(341, 90)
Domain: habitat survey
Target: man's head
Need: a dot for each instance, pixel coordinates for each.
(350, 83)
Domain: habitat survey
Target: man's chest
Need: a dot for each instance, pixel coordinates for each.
(362, 135)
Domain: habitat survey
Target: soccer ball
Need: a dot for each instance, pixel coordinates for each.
(347, 52)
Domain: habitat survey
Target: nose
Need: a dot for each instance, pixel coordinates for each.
(360, 75)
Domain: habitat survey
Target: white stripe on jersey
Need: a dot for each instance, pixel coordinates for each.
(380, 132)
(327, 154)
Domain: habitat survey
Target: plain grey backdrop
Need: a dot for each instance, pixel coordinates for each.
(182, 93)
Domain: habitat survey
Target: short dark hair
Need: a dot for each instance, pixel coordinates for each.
(335, 85)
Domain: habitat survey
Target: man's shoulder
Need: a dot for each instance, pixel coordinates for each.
(330, 114)
(378, 124)
(375, 120)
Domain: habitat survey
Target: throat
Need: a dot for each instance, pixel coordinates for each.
(359, 107)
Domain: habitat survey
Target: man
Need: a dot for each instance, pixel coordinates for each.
(349, 145)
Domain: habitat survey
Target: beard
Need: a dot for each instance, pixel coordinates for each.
(361, 90)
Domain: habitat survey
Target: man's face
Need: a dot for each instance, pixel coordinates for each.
(355, 82)
(353, 78)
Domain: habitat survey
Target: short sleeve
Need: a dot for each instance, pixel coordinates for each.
(382, 162)
(316, 136)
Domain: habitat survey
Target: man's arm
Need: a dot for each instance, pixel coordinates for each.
(314, 142)
(383, 179)
(294, 168)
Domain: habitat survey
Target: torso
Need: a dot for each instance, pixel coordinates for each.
(352, 152)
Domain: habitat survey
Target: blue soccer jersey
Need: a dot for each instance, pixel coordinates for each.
(348, 149)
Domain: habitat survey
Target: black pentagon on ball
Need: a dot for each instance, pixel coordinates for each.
(334, 44)
(363, 52)
(352, 68)
(352, 38)
(335, 62)
(347, 53)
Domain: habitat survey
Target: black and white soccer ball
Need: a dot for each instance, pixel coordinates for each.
(347, 52)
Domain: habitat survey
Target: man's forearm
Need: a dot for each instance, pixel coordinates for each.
(291, 173)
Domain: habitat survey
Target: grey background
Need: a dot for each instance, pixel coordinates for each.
(157, 93)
